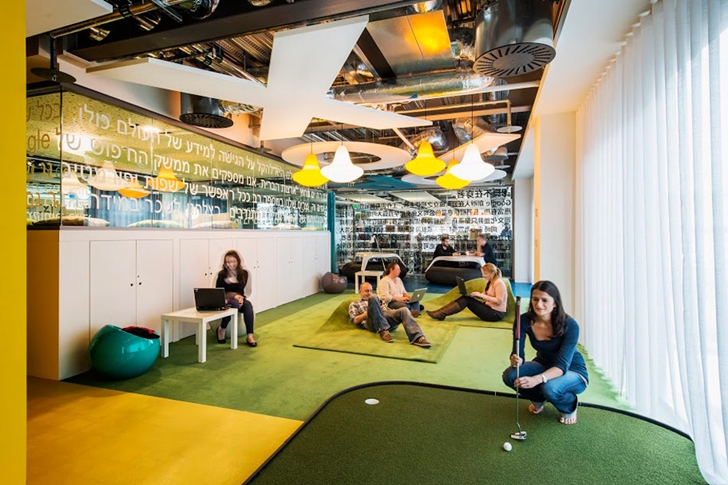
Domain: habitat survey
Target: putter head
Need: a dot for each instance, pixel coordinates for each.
(520, 436)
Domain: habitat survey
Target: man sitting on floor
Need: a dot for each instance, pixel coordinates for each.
(368, 313)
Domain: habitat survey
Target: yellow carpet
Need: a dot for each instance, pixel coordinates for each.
(86, 435)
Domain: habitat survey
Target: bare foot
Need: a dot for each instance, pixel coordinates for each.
(535, 408)
(568, 418)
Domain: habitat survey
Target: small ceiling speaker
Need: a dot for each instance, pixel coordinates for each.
(514, 37)
(204, 112)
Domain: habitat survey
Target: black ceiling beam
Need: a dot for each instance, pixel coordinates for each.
(231, 19)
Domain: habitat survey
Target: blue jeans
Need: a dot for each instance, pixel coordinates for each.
(378, 319)
(561, 391)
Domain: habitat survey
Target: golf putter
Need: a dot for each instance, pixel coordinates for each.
(521, 434)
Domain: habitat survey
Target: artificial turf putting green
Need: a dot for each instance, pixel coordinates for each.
(423, 434)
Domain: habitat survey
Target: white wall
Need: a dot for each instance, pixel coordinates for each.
(556, 158)
(523, 230)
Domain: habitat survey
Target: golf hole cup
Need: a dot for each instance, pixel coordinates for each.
(507, 446)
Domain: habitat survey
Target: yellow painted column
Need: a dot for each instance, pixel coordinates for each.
(12, 201)
(537, 199)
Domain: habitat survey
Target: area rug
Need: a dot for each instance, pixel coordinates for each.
(339, 335)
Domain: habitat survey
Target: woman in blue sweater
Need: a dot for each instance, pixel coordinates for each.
(558, 373)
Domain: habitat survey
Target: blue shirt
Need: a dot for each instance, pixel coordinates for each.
(556, 352)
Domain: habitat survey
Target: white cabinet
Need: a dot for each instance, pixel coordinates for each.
(131, 283)
(316, 262)
(289, 268)
(258, 255)
(199, 262)
(123, 278)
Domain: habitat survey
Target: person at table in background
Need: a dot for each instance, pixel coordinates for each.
(490, 305)
(370, 313)
(233, 278)
(392, 293)
(558, 373)
(444, 248)
(484, 249)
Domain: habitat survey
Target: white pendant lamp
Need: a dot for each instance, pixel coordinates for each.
(472, 166)
(341, 170)
(107, 179)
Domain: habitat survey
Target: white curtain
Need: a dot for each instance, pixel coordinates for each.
(652, 222)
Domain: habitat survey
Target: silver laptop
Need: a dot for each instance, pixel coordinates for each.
(464, 291)
(417, 295)
(210, 299)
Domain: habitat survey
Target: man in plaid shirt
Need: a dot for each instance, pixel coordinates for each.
(369, 313)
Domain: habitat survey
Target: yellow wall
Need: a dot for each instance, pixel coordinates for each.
(12, 201)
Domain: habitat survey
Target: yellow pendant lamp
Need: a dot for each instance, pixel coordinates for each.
(425, 163)
(310, 174)
(166, 181)
(449, 181)
(134, 190)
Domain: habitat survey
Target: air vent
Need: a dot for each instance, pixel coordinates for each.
(204, 112)
(514, 37)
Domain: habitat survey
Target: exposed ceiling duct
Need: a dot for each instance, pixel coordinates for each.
(402, 89)
(514, 37)
(434, 135)
(204, 112)
(466, 131)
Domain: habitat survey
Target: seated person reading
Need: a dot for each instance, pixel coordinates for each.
(369, 313)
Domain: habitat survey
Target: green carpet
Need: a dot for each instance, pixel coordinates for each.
(279, 379)
(425, 435)
(339, 335)
(468, 318)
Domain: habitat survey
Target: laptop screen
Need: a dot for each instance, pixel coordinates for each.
(210, 299)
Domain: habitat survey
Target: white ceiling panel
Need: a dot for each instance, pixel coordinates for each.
(484, 142)
(366, 199)
(312, 56)
(46, 15)
(416, 197)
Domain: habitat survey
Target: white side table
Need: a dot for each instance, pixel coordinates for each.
(363, 275)
(201, 319)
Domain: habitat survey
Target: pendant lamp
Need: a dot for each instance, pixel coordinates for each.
(107, 179)
(450, 181)
(425, 163)
(72, 187)
(341, 170)
(166, 181)
(472, 167)
(310, 174)
(134, 190)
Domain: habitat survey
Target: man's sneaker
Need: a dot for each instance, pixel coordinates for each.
(422, 342)
(385, 335)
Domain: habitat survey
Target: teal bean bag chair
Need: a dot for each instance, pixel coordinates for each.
(123, 353)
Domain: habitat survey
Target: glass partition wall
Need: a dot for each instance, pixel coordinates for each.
(92, 163)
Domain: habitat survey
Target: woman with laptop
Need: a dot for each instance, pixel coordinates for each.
(233, 278)
(490, 305)
(392, 293)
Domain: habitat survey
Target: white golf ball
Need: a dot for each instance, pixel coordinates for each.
(507, 446)
(371, 401)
